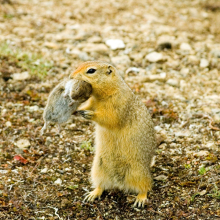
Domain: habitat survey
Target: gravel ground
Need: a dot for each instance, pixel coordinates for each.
(169, 54)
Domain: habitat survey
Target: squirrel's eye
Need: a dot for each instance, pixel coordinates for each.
(91, 70)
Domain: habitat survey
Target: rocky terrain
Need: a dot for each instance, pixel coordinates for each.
(169, 54)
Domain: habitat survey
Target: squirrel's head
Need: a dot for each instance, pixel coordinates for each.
(102, 76)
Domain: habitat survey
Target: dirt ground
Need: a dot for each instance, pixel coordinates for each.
(169, 54)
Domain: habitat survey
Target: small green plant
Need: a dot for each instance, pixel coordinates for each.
(33, 63)
(87, 145)
(193, 196)
(202, 170)
(72, 187)
(187, 166)
(215, 192)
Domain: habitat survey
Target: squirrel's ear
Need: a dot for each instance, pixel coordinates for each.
(110, 70)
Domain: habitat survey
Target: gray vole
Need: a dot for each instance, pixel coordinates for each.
(64, 100)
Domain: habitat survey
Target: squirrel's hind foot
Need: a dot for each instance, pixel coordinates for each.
(91, 196)
(140, 200)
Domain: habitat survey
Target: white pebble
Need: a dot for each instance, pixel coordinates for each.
(23, 143)
(44, 170)
(58, 181)
(8, 124)
(115, 44)
(185, 46)
(204, 63)
(154, 57)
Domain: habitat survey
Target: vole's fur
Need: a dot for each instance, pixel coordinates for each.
(64, 100)
(124, 135)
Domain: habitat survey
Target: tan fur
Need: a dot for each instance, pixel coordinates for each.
(124, 136)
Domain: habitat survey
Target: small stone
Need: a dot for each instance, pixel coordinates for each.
(185, 46)
(146, 78)
(58, 181)
(203, 192)
(137, 57)
(216, 118)
(193, 60)
(121, 60)
(51, 45)
(204, 63)
(3, 171)
(173, 82)
(48, 141)
(44, 170)
(23, 143)
(19, 151)
(202, 153)
(33, 108)
(21, 76)
(95, 39)
(212, 146)
(100, 48)
(184, 71)
(182, 134)
(8, 124)
(84, 56)
(132, 70)
(115, 44)
(161, 178)
(65, 202)
(154, 57)
(158, 128)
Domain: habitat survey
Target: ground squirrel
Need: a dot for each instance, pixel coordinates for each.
(64, 100)
(124, 133)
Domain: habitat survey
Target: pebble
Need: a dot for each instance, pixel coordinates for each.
(3, 171)
(161, 178)
(182, 134)
(173, 82)
(203, 192)
(204, 63)
(184, 71)
(121, 60)
(202, 153)
(51, 45)
(58, 181)
(212, 146)
(33, 108)
(21, 76)
(146, 78)
(132, 70)
(185, 46)
(100, 48)
(44, 170)
(23, 143)
(8, 124)
(115, 44)
(154, 57)
(48, 141)
(84, 56)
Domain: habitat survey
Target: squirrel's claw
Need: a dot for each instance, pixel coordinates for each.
(91, 196)
(140, 201)
(87, 114)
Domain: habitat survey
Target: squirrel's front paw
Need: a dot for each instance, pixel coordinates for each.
(87, 114)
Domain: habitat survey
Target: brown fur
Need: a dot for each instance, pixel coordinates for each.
(124, 135)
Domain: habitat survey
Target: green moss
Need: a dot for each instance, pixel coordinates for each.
(35, 64)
